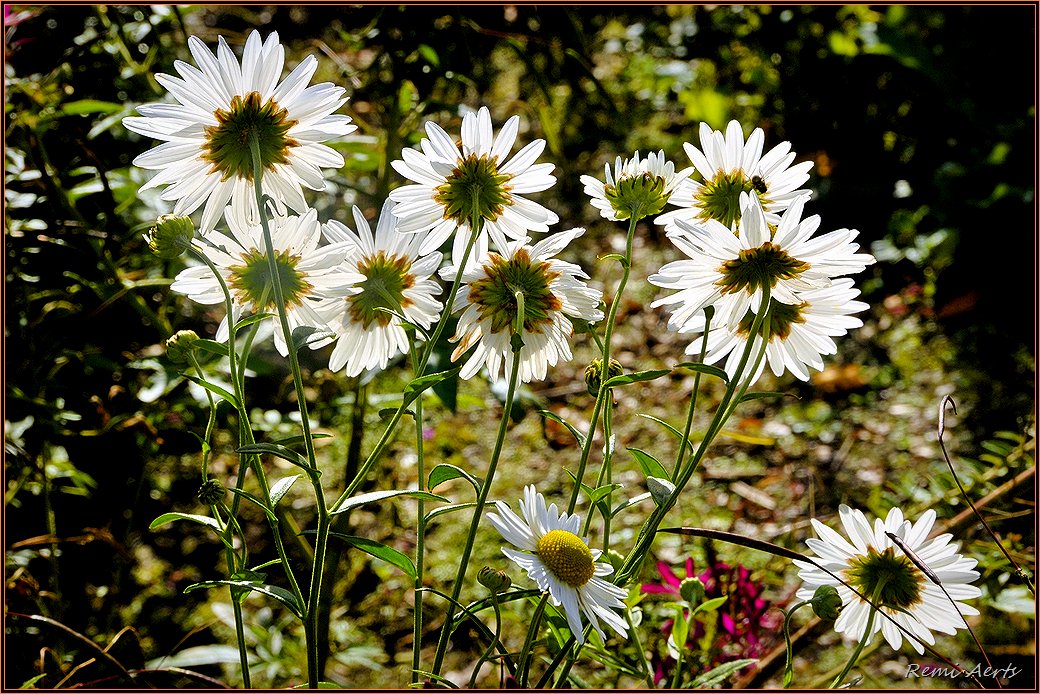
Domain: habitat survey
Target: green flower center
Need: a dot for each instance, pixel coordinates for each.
(474, 187)
(251, 282)
(901, 582)
(720, 197)
(386, 278)
(781, 318)
(755, 268)
(641, 195)
(567, 557)
(495, 293)
(227, 143)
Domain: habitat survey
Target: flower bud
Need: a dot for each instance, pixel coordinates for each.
(181, 345)
(642, 194)
(211, 492)
(170, 236)
(826, 603)
(594, 374)
(692, 591)
(494, 580)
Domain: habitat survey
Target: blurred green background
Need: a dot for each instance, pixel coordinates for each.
(921, 125)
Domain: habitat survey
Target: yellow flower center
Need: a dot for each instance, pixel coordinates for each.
(567, 557)
(475, 187)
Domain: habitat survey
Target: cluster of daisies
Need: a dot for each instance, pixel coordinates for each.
(751, 258)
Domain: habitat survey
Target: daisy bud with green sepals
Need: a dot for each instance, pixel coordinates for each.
(826, 603)
(171, 236)
(637, 187)
(211, 492)
(692, 590)
(181, 345)
(494, 580)
(594, 374)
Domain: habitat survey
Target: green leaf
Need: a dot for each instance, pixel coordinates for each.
(680, 628)
(560, 420)
(362, 499)
(650, 465)
(710, 605)
(380, 551)
(636, 377)
(598, 494)
(429, 54)
(766, 394)
(614, 256)
(294, 440)
(255, 499)
(249, 320)
(213, 654)
(165, 518)
(279, 488)
(704, 369)
(630, 502)
(212, 346)
(415, 388)
(717, 675)
(306, 335)
(672, 430)
(85, 106)
(448, 509)
(213, 388)
(280, 594)
(279, 450)
(445, 471)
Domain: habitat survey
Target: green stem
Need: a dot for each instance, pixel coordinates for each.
(722, 413)
(684, 442)
(478, 512)
(313, 611)
(789, 661)
(491, 646)
(523, 664)
(867, 633)
(608, 334)
(420, 538)
(647, 670)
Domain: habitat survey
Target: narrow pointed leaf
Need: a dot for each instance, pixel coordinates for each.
(213, 388)
(256, 500)
(165, 518)
(548, 414)
(280, 594)
(283, 452)
(279, 488)
(448, 509)
(718, 675)
(637, 377)
(249, 320)
(306, 335)
(380, 551)
(704, 369)
(650, 465)
(415, 388)
(767, 394)
(445, 471)
(362, 499)
(212, 346)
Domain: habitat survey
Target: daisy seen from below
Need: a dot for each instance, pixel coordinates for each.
(561, 563)
(869, 561)
(798, 335)
(206, 157)
(552, 289)
(729, 166)
(640, 186)
(391, 275)
(310, 276)
(457, 181)
(729, 271)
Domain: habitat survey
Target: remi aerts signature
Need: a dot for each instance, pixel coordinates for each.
(1004, 673)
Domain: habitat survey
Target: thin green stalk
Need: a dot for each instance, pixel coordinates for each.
(647, 670)
(523, 664)
(789, 658)
(684, 442)
(420, 538)
(608, 333)
(867, 632)
(722, 413)
(312, 613)
(478, 512)
(420, 370)
(491, 646)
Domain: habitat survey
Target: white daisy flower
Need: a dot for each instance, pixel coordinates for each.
(310, 276)
(799, 334)
(636, 185)
(552, 291)
(730, 166)
(907, 595)
(392, 275)
(451, 178)
(561, 563)
(729, 271)
(205, 156)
